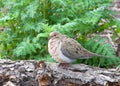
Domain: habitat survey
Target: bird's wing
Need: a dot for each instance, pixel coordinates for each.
(73, 50)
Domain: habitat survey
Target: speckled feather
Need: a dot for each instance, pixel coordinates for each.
(72, 49)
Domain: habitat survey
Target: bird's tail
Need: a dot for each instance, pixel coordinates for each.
(89, 54)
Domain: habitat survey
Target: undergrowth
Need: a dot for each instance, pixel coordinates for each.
(28, 23)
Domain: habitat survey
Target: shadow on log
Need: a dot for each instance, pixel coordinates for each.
(38, 73)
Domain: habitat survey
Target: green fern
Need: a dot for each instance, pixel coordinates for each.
(101, 48)
(26, 47)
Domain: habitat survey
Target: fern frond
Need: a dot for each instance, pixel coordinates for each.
(26, 48)
(100, 46)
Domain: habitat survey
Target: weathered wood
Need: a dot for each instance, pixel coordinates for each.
(35, 73)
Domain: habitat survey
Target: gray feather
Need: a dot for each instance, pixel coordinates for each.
(74, 50)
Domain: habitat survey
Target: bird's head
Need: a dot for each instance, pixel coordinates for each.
(54, 34)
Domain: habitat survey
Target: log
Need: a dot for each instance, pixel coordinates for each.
(40, 73)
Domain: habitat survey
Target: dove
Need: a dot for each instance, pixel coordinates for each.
(64, 49)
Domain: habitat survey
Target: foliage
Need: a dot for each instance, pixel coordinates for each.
(102, 48)
(28, 23)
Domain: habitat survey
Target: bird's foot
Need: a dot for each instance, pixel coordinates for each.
(64, 65)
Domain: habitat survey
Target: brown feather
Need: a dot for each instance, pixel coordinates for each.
(72, 49)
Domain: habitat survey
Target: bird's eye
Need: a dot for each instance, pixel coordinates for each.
(55, 35)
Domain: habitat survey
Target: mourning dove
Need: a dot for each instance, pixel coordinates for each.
(65, 49)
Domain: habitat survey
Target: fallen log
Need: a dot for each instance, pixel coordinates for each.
(40, 73)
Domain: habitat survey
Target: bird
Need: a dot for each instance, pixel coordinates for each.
(64, 49)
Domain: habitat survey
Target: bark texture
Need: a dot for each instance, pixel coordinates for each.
(40, 73)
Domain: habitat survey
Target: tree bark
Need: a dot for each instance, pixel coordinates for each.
(40, 73)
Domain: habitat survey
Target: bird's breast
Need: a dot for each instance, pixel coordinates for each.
(54, 48)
